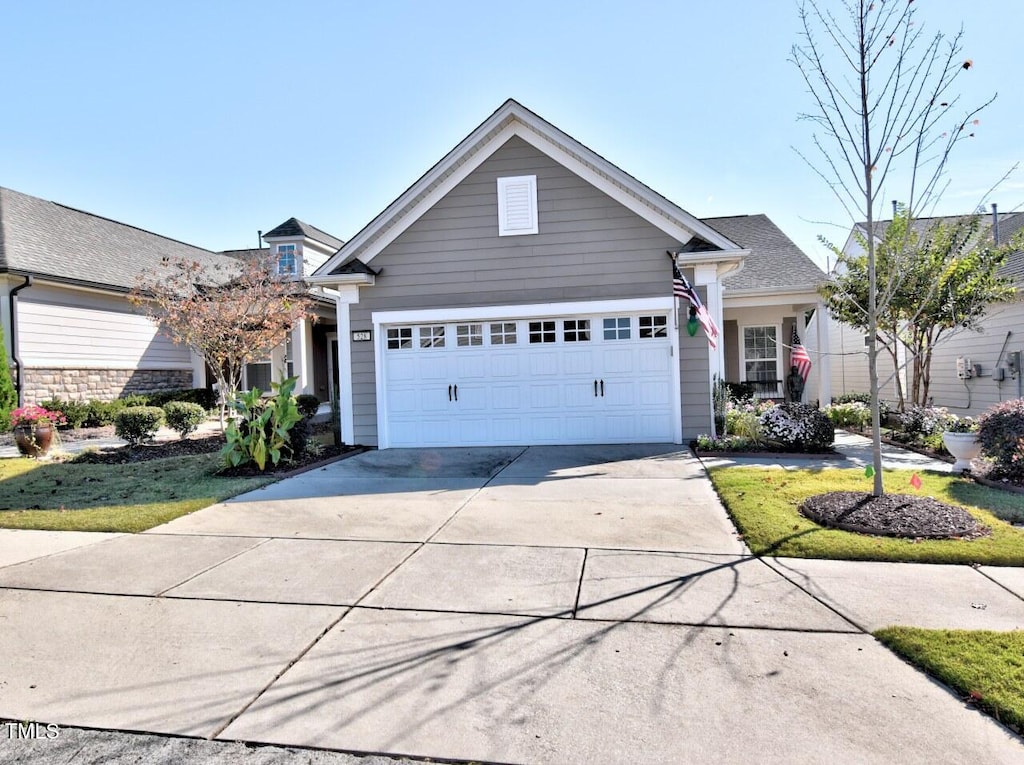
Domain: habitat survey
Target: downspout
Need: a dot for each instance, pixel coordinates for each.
(995, 224)
(14, 338)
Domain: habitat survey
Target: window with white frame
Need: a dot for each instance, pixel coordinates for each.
(258, 375)
(469, 334)
(576, 330)
(399, 338)
(432, 336)
(653, 326)
(517, 205)
(289, 358)
(286, 261)
(503, 333)
(542, 331)
(617, 328)
(761, 358)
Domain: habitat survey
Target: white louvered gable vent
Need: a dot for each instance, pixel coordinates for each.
(517, 205)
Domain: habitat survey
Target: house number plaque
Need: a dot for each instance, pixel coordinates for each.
(362, 335)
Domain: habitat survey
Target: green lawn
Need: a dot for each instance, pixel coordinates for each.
(65, 496)
(987, 667)
(763, 505)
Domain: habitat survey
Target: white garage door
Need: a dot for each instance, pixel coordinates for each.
(581, 379)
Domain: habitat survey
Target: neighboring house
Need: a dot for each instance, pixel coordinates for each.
(70, 331)
(992, 349)
(520, 293)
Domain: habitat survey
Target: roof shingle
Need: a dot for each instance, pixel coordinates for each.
(775, 262)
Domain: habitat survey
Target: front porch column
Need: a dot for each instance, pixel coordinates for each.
(824, 359)
(347, 295)
(706, 275)
(302, 357)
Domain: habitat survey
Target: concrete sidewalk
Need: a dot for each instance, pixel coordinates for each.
(855, 450)
(560, 604)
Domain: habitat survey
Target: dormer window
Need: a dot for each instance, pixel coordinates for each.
(286, 263)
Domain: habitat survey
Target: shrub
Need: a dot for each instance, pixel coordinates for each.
(207, 399)
(100, 413)
(798, 426)
(138, 424)
(1001, 433)
(741, 391)
(920, 422)
(884, 408)
(262, 430)
(183, 417)
(298, 437)
(74, 411)
(136, 399)
(852, 414)
(8, 396)
(308, 404)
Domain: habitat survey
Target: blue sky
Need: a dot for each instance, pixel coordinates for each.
(206, 121)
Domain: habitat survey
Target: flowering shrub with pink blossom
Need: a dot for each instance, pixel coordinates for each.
(32, 415)
(1001, 433)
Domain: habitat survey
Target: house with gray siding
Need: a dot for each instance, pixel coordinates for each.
(69, 328)
(971, 370)
(520, 292)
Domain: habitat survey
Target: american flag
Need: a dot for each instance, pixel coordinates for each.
(681, 288)
(798, 356)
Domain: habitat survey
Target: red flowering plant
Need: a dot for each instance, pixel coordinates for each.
(32, 415)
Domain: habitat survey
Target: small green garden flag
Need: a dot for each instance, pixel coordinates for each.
(869, 471)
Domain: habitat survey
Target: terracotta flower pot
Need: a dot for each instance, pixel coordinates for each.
(33, 440)
(963, 446)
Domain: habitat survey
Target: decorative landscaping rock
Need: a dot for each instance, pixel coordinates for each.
(892, 515)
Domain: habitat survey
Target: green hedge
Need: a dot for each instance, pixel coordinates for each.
(138, 424)
(96, 414)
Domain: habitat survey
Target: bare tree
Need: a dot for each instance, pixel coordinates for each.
(882, 89)
(231, 313)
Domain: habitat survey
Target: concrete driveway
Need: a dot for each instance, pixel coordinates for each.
(549, 604)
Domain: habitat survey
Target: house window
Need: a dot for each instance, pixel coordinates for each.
(542, 331)
(653, 326)
(576, 330)
(760, 359)
(399, 338)
(469, 334)
(503, 333)
(258, 375)
(286, 263)
(617, 328)
(517, 205)
(432, 337)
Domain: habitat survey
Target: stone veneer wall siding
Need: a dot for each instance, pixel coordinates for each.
(99, 384)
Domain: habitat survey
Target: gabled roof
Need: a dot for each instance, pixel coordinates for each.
(513, 119)
(774, 262)
(51, 240)
(295, 227)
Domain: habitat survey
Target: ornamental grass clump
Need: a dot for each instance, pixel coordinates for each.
(798, 427)
(1001, 433)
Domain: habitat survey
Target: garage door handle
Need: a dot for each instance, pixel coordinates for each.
(449, 392)
(602, 388)
(456, 392)
(595, 388)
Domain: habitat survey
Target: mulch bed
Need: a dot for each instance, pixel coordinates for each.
(195, 444)
(892, 515)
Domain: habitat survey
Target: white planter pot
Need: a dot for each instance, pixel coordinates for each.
(963, 446)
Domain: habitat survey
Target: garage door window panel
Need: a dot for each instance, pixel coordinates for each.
(617, 328)
(542, 331)
(468, 335)
(432, 336)
(399, 338)
(576, 330)
(653, 327)
(503, 333)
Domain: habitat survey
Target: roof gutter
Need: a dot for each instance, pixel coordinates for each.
(14, 337)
